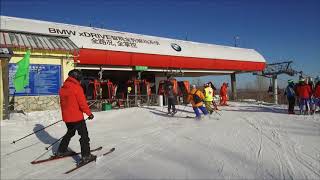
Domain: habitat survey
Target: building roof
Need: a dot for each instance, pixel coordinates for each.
(108, 47)
(35, 41)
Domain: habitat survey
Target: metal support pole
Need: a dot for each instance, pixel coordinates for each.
(233, 87)
(1, 93)
(135, 94)
(275, 89)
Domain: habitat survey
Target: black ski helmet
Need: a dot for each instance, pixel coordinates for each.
(75, 73)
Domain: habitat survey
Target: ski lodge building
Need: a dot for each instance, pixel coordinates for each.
(111, 61)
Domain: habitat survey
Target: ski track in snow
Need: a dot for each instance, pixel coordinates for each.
(248, 141)
(286, 149)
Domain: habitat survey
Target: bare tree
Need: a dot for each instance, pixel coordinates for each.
(261, 83)
(261, 87)
(197, 82)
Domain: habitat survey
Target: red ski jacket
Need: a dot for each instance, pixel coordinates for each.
(73, 102)
(317, 91)
(304, 91)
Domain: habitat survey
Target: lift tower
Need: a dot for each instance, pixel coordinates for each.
(273, 70)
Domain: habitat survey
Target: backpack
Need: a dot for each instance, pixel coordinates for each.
(196, 98)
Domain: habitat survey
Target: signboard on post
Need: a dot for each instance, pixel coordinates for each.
(43, 80)
(141, 68)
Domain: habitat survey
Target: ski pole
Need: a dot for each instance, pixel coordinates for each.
(47, 148)
(217, 112)
(13, 142)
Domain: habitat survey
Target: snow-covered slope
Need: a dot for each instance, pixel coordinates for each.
(247, 141)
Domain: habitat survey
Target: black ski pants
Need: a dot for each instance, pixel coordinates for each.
(292, 102)
(81, 127)
(171, 104)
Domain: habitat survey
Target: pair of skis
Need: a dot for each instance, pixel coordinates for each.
(52, 158)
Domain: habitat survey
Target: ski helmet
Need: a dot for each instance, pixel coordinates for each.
(75, 73)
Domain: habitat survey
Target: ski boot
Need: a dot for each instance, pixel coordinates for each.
(174, 112)
(66, 153)
(86, 159)
(206, 117)
(301, 112)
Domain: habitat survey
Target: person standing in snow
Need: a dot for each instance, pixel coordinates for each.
(208, 97)
(311, 99)
(316, 93)
(303, 92)
(172, 98)
(195, 98)
(291, 96)
(73, 105)
(223, 94)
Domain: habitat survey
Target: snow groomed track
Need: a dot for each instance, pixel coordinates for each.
(248, 141)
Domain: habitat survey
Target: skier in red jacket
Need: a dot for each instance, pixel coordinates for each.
(304, 92)
(73, 105)
(316, 93)
(223, 94)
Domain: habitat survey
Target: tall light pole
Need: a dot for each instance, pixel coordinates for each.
(233, 75)
(235, 40)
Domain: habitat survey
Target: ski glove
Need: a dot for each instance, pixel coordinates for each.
(91, 116)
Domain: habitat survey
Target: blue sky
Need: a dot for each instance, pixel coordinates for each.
(279, 30)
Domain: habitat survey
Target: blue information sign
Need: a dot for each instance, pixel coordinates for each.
(43, 80)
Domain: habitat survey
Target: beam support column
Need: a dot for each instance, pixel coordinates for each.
(233, 87)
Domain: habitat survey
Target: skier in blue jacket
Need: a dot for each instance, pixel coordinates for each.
(290, 93)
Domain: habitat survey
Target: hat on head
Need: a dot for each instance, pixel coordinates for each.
(75, 73)
(193, 86)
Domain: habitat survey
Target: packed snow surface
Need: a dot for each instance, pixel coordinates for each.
(248, 141)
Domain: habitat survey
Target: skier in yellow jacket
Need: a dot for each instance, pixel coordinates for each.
(208, 97)
(196, 97)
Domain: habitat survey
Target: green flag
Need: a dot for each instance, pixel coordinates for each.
(21, 79)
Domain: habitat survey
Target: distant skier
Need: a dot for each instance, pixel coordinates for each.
(291, 96)
(311, 97)
(172, 97)
(223, 94)
(316, 94)
(195, 98)
(303, 92)
(73, 105)
(208, 97)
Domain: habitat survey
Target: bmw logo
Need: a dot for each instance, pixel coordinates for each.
(176, 47)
